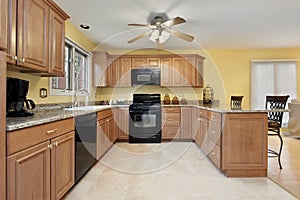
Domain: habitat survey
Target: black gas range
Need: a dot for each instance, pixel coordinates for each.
(145, 119)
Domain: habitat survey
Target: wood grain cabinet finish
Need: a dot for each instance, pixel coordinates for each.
(106, 131)
(44, 167)
(122, 123)
(186, 123)
(3, 24)
(171, 122)
(201, 121)
(35, 28)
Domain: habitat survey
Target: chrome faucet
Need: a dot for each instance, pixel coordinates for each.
(83, 91)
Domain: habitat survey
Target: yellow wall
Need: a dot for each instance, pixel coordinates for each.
(234, 66)
(37, 82)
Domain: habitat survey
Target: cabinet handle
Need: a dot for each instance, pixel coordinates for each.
(170, 132)
(55, 144)
(52, 131)
(199, 119)
(22, 60)
(213, 153)
(170, 109)
(213, 132)
(15, 58)
(49, 146)
(170, 119)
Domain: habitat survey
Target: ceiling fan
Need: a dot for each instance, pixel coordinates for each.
(160, 30)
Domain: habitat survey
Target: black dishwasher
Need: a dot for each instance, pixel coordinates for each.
(85, 145)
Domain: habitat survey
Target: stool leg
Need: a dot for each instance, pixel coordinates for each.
(280, 149)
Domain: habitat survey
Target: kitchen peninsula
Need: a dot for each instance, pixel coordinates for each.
(234, 140)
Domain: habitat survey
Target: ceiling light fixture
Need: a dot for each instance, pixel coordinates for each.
(160, 36)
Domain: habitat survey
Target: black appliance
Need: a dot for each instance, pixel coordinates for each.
(16, 101)
(85, 143)
(145, 77)
(145, 119)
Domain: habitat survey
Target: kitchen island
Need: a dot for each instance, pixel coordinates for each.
(234, 140)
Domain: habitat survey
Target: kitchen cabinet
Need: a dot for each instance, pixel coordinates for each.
(139, 62)
(166, 71)
(119, 72)
(186, 123)
(40, 161)
(3, 24)
(123, 123)
(113, 72)
(105, 132)
(171, 122)
(100, 63)
(35, 29)
(2, 124)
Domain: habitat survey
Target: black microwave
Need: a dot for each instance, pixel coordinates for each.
(145, 77)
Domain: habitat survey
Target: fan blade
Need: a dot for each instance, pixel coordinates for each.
(181, 35)
(138, 24)
(174, 21)
(139, 37)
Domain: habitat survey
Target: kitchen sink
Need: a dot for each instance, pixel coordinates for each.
(83, 108)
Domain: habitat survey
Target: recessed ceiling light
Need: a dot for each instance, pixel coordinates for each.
(84, 26)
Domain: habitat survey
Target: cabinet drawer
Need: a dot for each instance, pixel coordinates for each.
(171, 133)
(104, 114)
(171, 119)
(203, 113)
(24, 138)
(216, 117)
(171, 109)
(215, 154)
(214, 132)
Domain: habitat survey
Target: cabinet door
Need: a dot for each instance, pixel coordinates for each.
(102, 140)
(3, 24)
(28, 173)
(178, 79)
(62, 164)
(166, 72)
(57, 44)
(100, 62)
(2, 125)
(11, 32)
(33, 34)
(153, 62)
(189, 72)
(125, 72)
(139, 63)
(199, 72)
(123, 123)
(113, 73)
(186, 123)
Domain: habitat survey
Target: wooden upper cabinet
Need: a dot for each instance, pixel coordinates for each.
(166, 71)
(3, 24)
(57, 43)
(153, 62)
(32, 42)
(112, 72)
(125, 72)
(138, 62)
(99, 63)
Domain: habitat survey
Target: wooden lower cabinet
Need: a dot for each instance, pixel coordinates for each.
(171, 122)
(122, 123)
(41, 161)
(62, 165)
(44, 171)
(106, 132)
(235, 142)
(186, 123)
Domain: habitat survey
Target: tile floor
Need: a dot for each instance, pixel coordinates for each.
(165, 171)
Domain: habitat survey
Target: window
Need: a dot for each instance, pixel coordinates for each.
(77, 64)
(273, 77)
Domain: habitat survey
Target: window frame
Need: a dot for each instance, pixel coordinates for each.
(88, 79)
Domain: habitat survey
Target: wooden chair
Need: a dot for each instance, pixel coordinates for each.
(236, 102)
(275, 121)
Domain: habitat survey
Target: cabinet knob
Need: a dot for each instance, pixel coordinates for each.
(55, 144)
(49, 146)
(52, 131)
(22, 60)
(15, 58)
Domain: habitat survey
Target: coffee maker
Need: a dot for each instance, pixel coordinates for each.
(16, 92)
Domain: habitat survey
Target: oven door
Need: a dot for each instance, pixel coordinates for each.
(145, 122)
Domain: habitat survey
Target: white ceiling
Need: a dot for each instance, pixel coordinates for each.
(216, 24)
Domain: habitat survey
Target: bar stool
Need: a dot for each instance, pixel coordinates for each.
(275, 103)
(236, 102)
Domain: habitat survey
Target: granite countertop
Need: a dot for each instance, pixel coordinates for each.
(54, 113)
